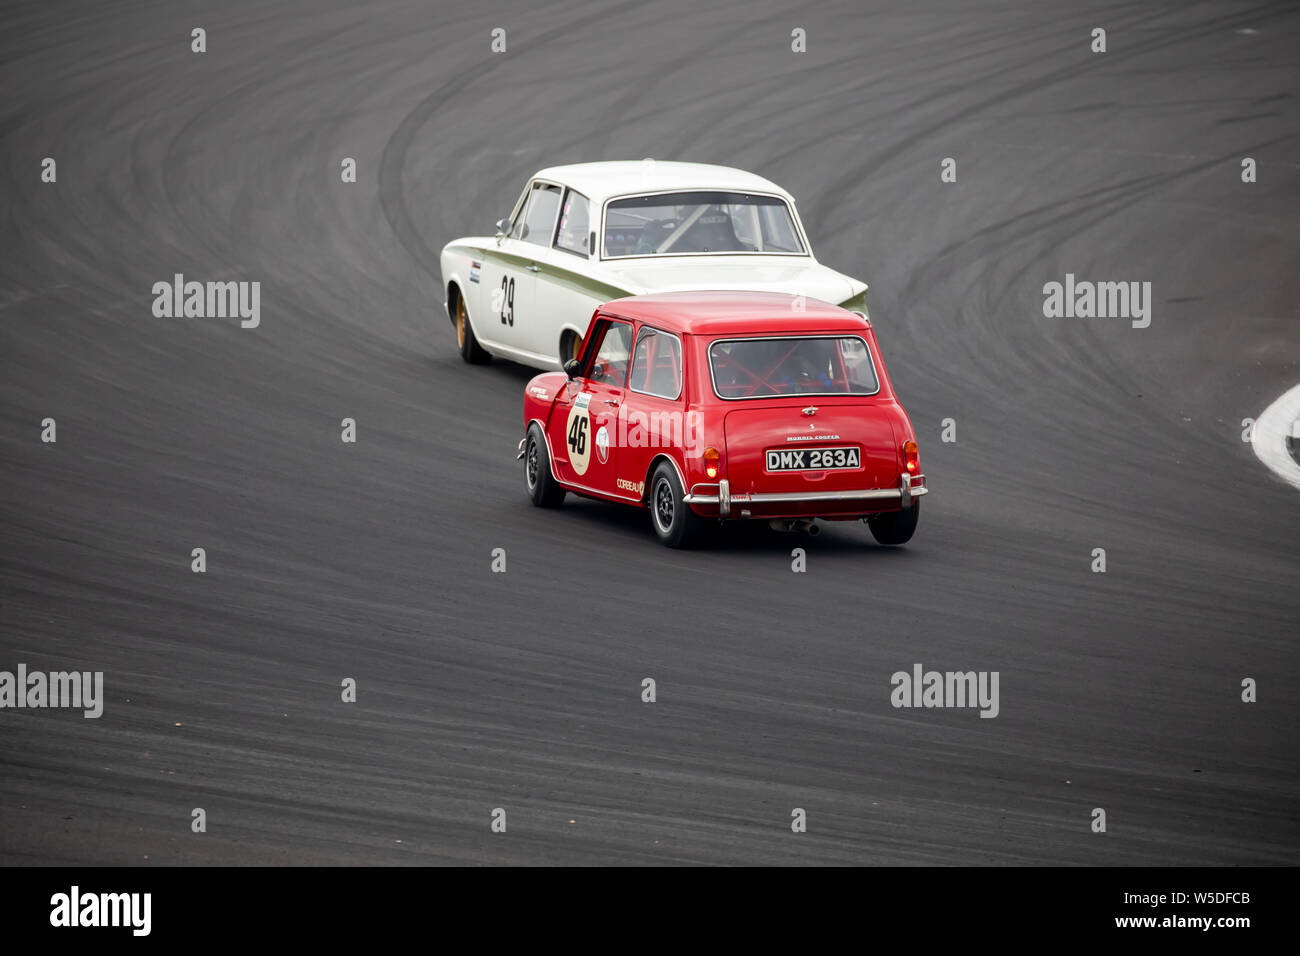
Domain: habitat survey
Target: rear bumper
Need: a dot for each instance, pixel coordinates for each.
(705, 498)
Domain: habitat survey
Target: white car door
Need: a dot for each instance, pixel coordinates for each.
(510, 272)
(567, 292)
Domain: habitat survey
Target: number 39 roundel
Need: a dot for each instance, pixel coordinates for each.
(578, 433)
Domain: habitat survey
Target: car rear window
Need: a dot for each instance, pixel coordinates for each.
(804, 365)
(700, 222)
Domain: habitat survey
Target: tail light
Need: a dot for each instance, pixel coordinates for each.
(912, 458)
(711, 457)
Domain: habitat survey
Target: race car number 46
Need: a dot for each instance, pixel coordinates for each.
(813, 459)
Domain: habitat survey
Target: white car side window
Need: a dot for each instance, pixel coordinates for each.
(572, 236)
(538, 217)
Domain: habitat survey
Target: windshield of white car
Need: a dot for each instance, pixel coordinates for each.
(700, 223)
(763, 368)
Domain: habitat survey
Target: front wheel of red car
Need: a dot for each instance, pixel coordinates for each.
(542, 486)
(896, 527)
(674, 522)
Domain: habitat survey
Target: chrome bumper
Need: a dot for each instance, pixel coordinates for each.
(722, 496)
(522, 442)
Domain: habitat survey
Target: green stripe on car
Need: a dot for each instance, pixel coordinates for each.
(553, 273)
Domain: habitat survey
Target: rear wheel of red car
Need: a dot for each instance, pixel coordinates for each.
(897, 527)
(470, 350)
(674, 522)
(542, 486)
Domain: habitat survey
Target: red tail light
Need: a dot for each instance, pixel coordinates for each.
(912, 458)
(711, 457)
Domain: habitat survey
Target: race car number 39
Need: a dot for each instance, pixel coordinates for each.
(577, 433)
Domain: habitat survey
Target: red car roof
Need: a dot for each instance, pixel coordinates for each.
(725, 313)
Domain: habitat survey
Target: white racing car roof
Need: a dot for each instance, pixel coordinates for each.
(600, 181)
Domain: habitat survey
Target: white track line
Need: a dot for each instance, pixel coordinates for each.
(1272, 428)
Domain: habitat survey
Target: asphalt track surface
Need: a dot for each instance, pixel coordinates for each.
(522, 690)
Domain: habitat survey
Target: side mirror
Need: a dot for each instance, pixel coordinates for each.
(571, 368)
(503, 226)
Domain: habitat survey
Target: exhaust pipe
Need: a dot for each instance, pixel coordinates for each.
(796, 524)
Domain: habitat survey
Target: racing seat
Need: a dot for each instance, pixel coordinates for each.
(712, 232)
(653, 234)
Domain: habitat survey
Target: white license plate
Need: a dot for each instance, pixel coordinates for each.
(813, 459)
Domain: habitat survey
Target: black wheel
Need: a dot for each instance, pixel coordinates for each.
(542, 486)
(897, 527)
(470, 350)
(674, 522)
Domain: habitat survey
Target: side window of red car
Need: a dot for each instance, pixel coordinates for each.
(657, 364)
(612, 352)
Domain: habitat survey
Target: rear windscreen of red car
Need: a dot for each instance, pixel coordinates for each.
(821, 365)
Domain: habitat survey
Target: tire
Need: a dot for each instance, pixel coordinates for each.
(542, 487)
(897, 527)
(673, 520)
(470, 350)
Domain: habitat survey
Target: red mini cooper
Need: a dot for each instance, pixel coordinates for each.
(708, 406)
